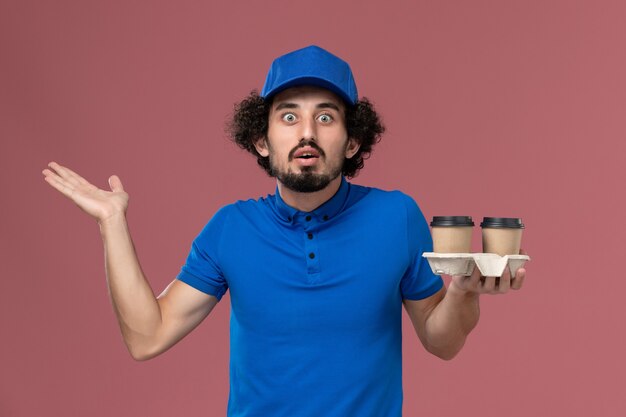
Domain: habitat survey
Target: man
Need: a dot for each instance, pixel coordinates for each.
(317, 273)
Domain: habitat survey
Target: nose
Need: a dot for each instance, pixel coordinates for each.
(309, 130)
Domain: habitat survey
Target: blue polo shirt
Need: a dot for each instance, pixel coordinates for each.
(316, 299)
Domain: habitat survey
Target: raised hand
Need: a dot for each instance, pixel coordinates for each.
(99, 204)
(476, 283)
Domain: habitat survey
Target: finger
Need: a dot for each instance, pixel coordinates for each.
(518, 281)
(489, 285)
(46, 172)
(467, 281)
(115, 183)
(504, 283)
(67, 174)
(56, 182)
(460, 281)
(475, 279)
(54, 179)
(472, 282)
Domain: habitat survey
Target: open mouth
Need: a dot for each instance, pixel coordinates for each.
(306, 152)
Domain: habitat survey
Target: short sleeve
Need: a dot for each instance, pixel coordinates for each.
(419, 281)
(202, 268)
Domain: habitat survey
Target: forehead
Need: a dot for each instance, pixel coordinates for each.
(303, 94)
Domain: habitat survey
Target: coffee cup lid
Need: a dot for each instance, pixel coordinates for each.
(451, 221)
(502, 222)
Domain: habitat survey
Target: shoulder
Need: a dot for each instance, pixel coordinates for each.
(247, 212)
(395, 199)
(241, 207)
(398, 205)
(231, 212)
(230, 215)
(252, 207)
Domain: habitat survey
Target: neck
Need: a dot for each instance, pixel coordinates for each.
(308, 201)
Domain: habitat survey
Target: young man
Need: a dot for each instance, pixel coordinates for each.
(317, 273)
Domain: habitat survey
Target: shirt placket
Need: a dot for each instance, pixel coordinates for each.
(311, 248)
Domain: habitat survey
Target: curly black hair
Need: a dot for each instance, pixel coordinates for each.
(250, 120)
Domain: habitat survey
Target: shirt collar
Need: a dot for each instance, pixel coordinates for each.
(326, 211)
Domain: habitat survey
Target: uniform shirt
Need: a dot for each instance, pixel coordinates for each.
(316, 299)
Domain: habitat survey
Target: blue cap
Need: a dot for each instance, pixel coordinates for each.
(311, 66)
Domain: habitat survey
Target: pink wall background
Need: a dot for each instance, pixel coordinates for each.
(493, 108)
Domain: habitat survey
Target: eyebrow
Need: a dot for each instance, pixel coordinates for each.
(325, 105)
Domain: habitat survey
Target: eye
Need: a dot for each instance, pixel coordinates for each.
(289, 117)
(325, 118)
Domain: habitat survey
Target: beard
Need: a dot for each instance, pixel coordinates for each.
(306, 181)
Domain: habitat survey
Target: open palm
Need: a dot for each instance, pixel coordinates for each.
(100, 204)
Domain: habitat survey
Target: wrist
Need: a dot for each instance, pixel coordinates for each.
(113, 220)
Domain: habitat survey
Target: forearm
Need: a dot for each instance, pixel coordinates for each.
(451, 321)
(133, 300)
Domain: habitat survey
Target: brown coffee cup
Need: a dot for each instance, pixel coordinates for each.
(502, 235)
(452, 234)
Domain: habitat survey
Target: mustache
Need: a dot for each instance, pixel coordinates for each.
(304, 144)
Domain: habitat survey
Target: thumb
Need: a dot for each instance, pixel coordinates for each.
(115, 183)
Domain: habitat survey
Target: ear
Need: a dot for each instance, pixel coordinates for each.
(260, 145)
(352, 147)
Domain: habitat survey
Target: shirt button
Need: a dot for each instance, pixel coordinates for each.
(308, 218)
(310, 235)
(325, 217)
(311, 255)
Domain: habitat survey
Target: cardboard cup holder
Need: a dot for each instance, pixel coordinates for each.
(489, 264)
